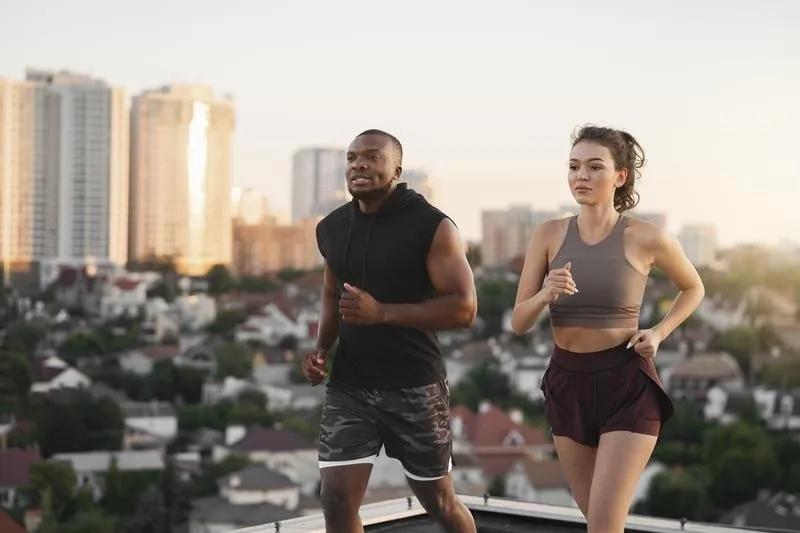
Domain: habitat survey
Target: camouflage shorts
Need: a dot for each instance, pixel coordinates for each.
(413, 424)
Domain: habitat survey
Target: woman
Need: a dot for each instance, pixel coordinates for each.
(604, 401)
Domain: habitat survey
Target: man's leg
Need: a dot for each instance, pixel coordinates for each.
(348, 444)
(439, 499)
(416, 422)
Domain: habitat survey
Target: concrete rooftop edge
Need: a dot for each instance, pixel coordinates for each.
(398, 509)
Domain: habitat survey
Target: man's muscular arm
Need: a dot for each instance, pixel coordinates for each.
(456, 304)
(328, 329)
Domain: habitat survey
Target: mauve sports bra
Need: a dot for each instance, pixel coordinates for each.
(610, 290)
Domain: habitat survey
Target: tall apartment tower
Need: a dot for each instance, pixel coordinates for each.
(17, 185)
(181, 164)
(64, 170)
(318, 182)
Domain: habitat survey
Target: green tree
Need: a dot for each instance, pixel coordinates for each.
(497, 487)
(81, 424)
(495, 297)
(675, 494)
(94, 521)
(226, 321)
(53, 484)
(234, 359)
(152, 515)
(220, 280)
(741, 342)
(15, 381)
(290, 274)
(24, 336)
(474, 254)
(741, 460)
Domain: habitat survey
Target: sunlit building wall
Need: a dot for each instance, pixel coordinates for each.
(181, 147)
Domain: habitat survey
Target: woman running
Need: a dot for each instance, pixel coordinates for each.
(604, 401)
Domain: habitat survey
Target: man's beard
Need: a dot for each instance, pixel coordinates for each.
(373, 194)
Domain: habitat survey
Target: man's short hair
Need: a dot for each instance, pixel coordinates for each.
(395, 142)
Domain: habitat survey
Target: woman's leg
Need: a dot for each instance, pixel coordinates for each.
(622, 456)
(578, 462)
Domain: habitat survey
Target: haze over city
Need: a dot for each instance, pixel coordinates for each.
(484, 96)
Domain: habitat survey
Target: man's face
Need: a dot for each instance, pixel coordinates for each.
(372, 167)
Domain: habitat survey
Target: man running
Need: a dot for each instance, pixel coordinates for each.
(395, 272)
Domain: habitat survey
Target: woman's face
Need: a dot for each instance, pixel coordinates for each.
(592, 176)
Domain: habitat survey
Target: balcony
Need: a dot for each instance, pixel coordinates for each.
(493, 515)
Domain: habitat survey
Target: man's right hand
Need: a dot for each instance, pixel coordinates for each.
(314, 366)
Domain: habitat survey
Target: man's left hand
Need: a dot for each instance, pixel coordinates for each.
(359, 307)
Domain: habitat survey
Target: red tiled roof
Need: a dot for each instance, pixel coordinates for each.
(157, 352)
(491, 427)
(8, 525)
(126, 284)
(14, 467)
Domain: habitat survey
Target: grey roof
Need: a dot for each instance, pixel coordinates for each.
(217, 510)
(492, 515)
(147, 409)
(131, 460)
(256, 478)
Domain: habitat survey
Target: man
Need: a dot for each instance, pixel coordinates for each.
(395, 272)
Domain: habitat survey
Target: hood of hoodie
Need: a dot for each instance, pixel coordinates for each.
(401, 198)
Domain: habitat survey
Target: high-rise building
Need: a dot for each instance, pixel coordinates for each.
(65, 168)
(181, 145)
(659, 219)
(699, 242)
(17, 189)
(420, 181)
(248, 206)
(505, 233)
(318, 182)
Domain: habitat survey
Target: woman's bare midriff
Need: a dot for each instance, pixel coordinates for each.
(588, 340)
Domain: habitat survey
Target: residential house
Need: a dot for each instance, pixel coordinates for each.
(8, 525)
(295, 397)
(140, 361)
(776, 512)
(460, 360)
(91, 467)
(692, 379)
(250, 497)
(272, 365)
(49, 373)
(277, 448)
(15, 467)
(148, 425)
(721, 314)
(491, 431)
(531, 480)
(124, 296)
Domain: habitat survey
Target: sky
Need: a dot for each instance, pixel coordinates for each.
(484, 95)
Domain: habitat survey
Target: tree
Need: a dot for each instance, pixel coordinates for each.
(152, 515)
(24, 337)
(53, 484)
(94, 521)
(290, 274)
(741, 461)
(495, 297)
(235, 360)
(220, 280)
(741, 342)
(15, 380)
(675, 494)
(474, 254)
(226, 321)
(497, 487)
(78, 424)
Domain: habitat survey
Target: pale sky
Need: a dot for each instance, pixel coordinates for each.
(483, 94)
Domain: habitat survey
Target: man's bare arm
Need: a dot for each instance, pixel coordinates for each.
(456, 305)
(328, 330)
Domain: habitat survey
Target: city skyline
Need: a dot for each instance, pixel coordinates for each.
(484, 97)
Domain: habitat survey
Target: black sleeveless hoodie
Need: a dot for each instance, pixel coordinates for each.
(385, 255)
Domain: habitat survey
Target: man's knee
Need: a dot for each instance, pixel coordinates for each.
(341, 493)
(440, 501)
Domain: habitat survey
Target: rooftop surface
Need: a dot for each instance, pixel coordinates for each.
(492, 515)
